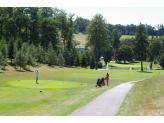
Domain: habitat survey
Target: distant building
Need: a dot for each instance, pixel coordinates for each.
(80, 48)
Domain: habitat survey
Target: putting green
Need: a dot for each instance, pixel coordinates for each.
(46, 84)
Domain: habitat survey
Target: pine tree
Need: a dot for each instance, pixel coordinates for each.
(66, 55)
(116, 40)
(1, 59)
(161, 61)
(61, 60)
(39, 54)
(51, 55)
(3, 48)
(18, 43)
(11, 48)
(83, 61)
(108, 55)
(92, 65)
(32, 50)
(30, 60)
(77, 60)
(21, 59)
(141, 43)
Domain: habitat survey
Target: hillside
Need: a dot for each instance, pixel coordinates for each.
(81, 38)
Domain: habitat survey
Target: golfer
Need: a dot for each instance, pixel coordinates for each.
(37, 76)
(107, 78)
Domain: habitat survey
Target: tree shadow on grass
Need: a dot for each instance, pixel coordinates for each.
(157, 69)
(29, 70)
(3, 69)
(1, 72)
(11, 64)
(131, 63)
(20, 71)
(144, 72)
(111, 66)
(123, 63)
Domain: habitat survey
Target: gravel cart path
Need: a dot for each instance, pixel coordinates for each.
(106, 104)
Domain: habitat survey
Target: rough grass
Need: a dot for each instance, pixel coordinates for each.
(145, 98)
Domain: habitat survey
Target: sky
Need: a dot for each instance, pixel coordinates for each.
(121, 15)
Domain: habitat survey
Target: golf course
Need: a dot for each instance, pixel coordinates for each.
(65, 90)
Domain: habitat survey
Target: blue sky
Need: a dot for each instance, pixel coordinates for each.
(121, 15)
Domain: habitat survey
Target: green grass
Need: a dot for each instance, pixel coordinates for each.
(145, 98)
(136, 65)
(62, 92)
(123, 37)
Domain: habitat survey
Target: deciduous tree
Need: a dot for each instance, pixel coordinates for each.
(98, 35)
(125, 51)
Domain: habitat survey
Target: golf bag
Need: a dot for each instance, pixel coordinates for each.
(98, 83)
(102, 81)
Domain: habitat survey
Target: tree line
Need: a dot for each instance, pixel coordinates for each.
(34, 35)
(30, 35)
(129, 29)
(107, 44)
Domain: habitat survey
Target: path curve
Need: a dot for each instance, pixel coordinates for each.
(106, 104)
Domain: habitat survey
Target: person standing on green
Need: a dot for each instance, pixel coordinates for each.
(37, 76)
(107, 78)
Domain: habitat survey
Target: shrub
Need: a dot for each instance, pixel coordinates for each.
(133, 61)
(161, 61)
(21, 59)
(61, 60)
(92, 64)
(155, 61)
(100, 64)
(83, 61)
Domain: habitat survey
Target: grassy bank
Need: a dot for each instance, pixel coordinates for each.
(145, 98)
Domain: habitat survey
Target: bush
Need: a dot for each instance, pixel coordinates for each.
(133, 60)
(92, 64)
(161, 61)
(155, 61)
(83, 61)
(147, 59)
(99, 64)
(21, 59)
(61, 60)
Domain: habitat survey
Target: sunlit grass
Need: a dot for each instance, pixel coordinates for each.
(145, 98)
(64, 90)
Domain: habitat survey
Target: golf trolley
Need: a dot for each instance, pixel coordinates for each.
(100, 82)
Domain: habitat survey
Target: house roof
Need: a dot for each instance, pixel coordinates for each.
(80, 47)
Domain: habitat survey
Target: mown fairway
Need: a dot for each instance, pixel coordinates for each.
(64, 90)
